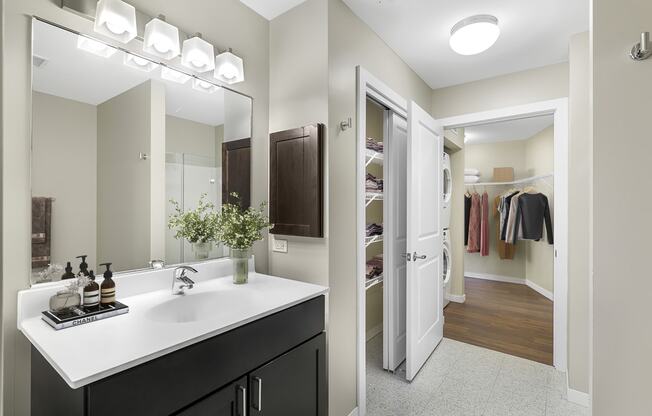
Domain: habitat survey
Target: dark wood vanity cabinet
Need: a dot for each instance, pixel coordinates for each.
(273, 366)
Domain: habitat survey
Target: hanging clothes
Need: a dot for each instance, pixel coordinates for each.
(467, 212)
(504, 211)
(532, 211)
(474, 224)
(484, 226)
(505, 251)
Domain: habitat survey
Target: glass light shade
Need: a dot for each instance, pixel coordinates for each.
(174, 75)
(198, 55)
(95, 47)
(474, 35)
(204, 86)
(161, 39)
(229, 68)
(116, 19)
(139, 63)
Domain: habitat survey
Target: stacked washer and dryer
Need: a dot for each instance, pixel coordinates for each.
(446, 219)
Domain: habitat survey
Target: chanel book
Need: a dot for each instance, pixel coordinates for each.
(79, 315)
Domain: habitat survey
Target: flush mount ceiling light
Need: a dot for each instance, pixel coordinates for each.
(474, 34)
(115, 19)
(204, 86)
(161, 38)
(95, 47)
(198, 54)
(174, 75)
(139, 63)
(229, 68)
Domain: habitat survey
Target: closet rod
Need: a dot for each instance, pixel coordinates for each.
(516, 182)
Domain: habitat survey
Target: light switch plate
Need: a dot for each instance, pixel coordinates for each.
(280, 246)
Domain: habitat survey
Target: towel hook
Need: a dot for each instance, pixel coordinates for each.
(641, 50)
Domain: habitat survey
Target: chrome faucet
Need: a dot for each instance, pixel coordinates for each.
(181, 282)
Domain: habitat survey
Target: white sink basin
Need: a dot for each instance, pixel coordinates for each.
(194, 307)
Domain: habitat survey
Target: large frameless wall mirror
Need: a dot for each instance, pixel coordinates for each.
(115, 137)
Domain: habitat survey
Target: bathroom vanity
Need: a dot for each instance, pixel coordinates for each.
(220, 349)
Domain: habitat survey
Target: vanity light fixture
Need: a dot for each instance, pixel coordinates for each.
(116, 19)
(474, 34)
(139, 63)
(203, 86)
(229, 68)
(174, 75)
(161, 38)
(95, 47)
(198, 54)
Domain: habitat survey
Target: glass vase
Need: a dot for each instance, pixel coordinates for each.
(240, 260)
(202, 250)
(64, 299)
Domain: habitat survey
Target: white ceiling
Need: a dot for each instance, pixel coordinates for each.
(507, 131)
(534, 33)
(270, 9)
(72, 73)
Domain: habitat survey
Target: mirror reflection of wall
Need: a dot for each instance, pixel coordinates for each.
(112, 143)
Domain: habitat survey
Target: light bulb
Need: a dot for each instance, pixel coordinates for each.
(115, 19)
(161, 39)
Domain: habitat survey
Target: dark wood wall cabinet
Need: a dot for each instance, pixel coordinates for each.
(236, 171)
(272, 366)
(296, 181)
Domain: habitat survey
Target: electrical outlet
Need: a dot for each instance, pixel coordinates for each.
(280, 246)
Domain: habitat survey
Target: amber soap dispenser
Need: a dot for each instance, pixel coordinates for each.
(107, 289)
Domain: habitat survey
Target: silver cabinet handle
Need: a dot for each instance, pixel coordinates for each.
(243, 397)
(259, 405)
(415, 257)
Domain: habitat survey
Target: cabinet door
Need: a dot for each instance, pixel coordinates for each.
(227, 401)
(294, 384)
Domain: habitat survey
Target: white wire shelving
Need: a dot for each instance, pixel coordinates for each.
(515, 182)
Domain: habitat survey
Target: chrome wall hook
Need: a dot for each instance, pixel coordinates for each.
(346, 124)
(641, 50)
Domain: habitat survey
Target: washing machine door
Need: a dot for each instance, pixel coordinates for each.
(448, 185)
(446, 270)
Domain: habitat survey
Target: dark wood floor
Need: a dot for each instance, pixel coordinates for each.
(505, 317)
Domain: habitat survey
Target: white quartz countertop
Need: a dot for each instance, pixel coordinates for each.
(157, 324)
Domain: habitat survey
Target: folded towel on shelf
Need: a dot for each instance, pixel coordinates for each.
(373, 184)
(471, 172)
(374, 266)
(374, 145)
(374, 229)
(471, 179)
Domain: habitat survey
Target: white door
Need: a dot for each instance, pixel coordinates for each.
(395, 264)
(425, 298)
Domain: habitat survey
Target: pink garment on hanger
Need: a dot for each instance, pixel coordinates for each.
(484, 226)
(473, 245)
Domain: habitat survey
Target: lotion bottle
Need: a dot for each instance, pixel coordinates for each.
(92, 294)
(107, 289)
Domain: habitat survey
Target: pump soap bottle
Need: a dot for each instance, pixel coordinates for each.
(107, 289)
(83, 266)
(92, 294)
(68, 274)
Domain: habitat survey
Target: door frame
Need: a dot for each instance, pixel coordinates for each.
(559, 109)
(366, 86)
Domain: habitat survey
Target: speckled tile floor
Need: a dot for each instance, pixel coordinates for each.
(464, 380)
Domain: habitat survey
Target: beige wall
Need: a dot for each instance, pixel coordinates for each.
(227, 23)
(186, 136)
(622, 100)
(351, 43)
(64, 140)
(298, 96)
(485, 157)
(579, 194)
(540, 160)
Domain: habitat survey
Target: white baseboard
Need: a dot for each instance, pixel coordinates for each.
(576, 396)
(456, 298)
(508, 279)
(354, 412)
(374, 331)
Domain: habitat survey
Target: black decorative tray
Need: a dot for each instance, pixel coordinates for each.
(79, 315)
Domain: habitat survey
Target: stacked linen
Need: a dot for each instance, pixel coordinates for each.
(375, 266)
(372, 144)
(373, 184)
(471, 175)
(374, 229)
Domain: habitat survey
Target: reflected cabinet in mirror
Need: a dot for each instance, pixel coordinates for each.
(115, 139)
